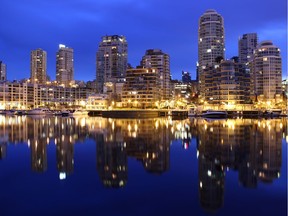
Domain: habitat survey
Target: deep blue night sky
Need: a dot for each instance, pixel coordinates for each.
(167, 25)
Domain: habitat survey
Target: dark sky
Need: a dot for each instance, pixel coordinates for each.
(164, 24)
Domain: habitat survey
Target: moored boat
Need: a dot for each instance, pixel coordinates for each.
(78, 113)
(214, 114)
(8, 112)
(40, 111)
(272, 113)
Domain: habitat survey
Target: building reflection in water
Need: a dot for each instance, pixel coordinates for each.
(253, 147)
(146, 140)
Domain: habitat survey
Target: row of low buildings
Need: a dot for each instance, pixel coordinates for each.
(254, 76)
(26, 95)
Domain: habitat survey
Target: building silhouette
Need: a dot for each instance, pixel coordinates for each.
(267, 73)
(230, 83)
(38, 66)
(3, 73)
(65, 65)
(111, 61)
(141, 88)
(210, 47)
(186, 77)
(155, 58)
(246, 46)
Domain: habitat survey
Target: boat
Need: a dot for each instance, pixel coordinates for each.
(214, 114)
(78, 113)
(65, 113)
(40, 111)
(272, 113)
(62, 113)
(20, 112)
(7, 112)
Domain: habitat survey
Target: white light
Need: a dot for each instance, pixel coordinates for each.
(209, 173)
(61, 46)
(62, 176)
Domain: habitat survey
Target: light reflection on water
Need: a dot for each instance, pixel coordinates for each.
(253, 147)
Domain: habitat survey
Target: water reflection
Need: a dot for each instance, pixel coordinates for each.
(253, 147)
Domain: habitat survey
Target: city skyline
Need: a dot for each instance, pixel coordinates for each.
(171, 27)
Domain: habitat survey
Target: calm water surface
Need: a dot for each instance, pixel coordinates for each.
(100, 166)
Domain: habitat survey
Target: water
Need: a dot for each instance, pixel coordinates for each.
(100, 166)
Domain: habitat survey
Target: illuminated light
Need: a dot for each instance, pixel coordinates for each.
(61, 46)
(121, 183)
(265, 59)
(83, 122)
(147, 155)
(278, 174)
(28, 142)
(209, 173)
(200, 184)
(209, 50)
(156, 124)
(62, 175)
(129, 127)
(197, 154)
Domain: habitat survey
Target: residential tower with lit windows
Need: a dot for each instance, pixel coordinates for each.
(38, 66)
(210, 47)
(65, 65)
(3, 74)
(155, 58)
(267, 73)
(111, 61)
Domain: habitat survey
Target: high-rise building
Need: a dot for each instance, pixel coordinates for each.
(246, 46)
(3, 75)
(64, 65)
(186, 77)
(111, 60)
(155, 58)
(267, 72)
(210, 46)
(38, 66)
